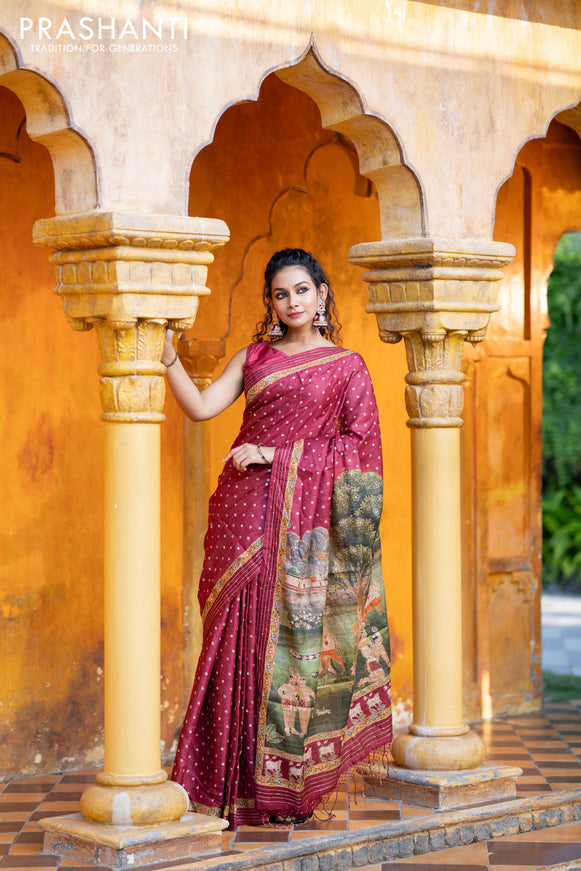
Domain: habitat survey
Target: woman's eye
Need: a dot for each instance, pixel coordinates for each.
(302, 290)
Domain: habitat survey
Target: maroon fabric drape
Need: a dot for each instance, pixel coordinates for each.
(292, 686)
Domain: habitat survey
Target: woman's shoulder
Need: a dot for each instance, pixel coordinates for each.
(238, 360)
(255, 350)
(354, 357)
(356, 367)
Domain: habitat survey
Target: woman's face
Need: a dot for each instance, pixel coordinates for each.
(295, 296)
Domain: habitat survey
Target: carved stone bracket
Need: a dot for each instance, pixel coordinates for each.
(436, 294)
(131, 276)
(200, 358)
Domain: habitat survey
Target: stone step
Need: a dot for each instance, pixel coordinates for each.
(387, 842)
(562, 866)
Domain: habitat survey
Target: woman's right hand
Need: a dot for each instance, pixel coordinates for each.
(168, 353)
(247, 455)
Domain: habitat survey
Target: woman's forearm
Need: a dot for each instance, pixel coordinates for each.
(196, 404)
(186, 394)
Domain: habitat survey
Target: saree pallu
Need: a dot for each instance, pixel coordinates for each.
(292, 686)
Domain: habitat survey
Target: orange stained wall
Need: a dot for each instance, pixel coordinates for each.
(502, 436)
(51, 505)
(279, 180)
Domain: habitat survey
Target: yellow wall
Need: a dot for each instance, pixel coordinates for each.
(502, 436)
(51, 500)
(51, 472)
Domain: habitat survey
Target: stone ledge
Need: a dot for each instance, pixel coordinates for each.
(122, 847)
(443, 790)
(100, 229)
(562, 866)
(387, 842)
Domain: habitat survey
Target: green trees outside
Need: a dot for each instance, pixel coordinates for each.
(562, 420)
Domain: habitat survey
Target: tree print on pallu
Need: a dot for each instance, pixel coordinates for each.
(355, 569)
(330, 678)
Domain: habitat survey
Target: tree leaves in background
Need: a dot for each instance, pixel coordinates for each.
(562, 535)
(562, 419)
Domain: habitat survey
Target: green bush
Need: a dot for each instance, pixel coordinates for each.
(561, 687)
(562, 368)
(562, 419)
(562, 536)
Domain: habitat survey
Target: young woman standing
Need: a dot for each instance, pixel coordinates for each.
(292, 686)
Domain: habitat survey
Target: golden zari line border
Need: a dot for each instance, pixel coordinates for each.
(230, 571)
(276, 607)
(276, 376)
(207, 809)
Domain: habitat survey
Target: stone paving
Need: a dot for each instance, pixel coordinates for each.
(542, 829)
(561, 631)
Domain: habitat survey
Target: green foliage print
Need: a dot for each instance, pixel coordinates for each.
(354, 534)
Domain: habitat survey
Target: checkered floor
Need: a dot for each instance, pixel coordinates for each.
(546, 746)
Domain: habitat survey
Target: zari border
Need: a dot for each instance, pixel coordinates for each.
(207, 809)
(276, 376)
(230, 571)
(276, 605)
(214, 811)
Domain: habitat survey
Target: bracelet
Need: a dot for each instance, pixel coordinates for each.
(167, 365)
(259, 449)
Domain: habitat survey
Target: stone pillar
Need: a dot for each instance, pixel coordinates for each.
(435, 294)
(200, 358)
(130, 276)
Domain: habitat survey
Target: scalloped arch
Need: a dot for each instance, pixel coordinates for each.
(48, 122)
(571, 117)
(380, 154)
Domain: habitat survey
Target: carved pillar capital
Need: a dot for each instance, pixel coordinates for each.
(435, 294)
(130, 276)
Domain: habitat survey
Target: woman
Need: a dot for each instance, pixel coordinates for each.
(292, 686)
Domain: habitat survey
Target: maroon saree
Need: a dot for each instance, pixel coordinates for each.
(292, 686)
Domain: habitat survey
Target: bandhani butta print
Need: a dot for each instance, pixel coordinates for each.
(293, 682)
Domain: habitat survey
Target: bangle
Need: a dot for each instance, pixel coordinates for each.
(259, 449)
(167, 365)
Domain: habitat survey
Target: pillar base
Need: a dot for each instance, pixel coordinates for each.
(439, 789)
(439, 752)
(118, 847)
(129, 801)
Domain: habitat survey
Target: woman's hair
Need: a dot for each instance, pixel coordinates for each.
(297, 257)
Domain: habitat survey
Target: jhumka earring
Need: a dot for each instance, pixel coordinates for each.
(320, 319)
(274, 331)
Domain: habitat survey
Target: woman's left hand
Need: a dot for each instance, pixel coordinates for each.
(245, 455)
